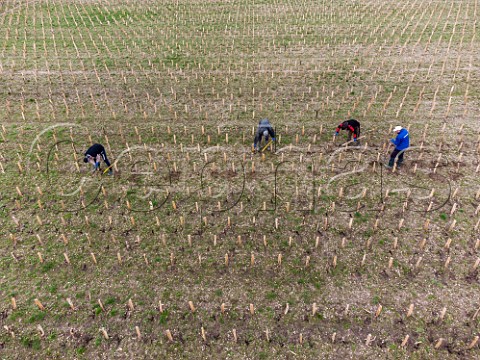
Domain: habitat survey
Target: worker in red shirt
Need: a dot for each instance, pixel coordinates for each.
(353, 128)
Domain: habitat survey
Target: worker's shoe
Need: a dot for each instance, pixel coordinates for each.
(390, 164)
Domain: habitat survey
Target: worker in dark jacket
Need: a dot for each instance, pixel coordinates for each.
(94, 154)
(353, 128)
(402, 143)
(264, 131)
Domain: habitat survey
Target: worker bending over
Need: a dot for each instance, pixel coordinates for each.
(353, 128)
(264, 131)
(94, 154)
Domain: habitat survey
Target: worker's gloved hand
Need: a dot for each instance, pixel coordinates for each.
(97, 165)
(354, 139)
(273, 139)
(336, 133)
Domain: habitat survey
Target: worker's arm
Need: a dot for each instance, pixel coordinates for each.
(93, 161)
(351, 128)
(271, 132)
(395, 141)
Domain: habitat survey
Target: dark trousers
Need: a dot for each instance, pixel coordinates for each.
(394, 154)
(356, 130)
(259, 136)
(103, 154)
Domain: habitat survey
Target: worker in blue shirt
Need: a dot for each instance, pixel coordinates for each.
(401, 143)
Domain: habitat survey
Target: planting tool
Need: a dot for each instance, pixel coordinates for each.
(266, 146)
(108, 168)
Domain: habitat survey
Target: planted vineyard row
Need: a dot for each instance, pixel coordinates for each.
(79, 61)
(299, 221)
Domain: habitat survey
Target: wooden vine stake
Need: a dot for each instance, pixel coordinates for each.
(410, 310)
(40, 330)
(70, 303)
(473, 343)
(204, 334)
(14, 303)
(439, 343)
(12, 334)
(405, 341)
(452, 225)
(364, 259)
(104, 333)
(130, 305)
(447, 262)
(448, 243)
(475, 265)
(442, 313)
(101, 305)
(423, 243)
(419, 261)
(39, 304)
(169, 335)
(191, 306)
(369, 340)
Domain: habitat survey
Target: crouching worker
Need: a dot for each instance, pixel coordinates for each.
(353, 128)
(401, 142)
(264, 131)
(94, 154)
